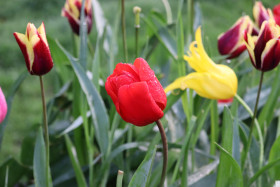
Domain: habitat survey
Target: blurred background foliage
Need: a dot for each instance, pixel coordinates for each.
(217, 17)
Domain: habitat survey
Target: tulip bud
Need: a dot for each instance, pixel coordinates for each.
(136, 92)
(35, 49)
(261, 14)
(72, 11)
(264, 50)
(231, 42)
(276, 14)
(3, 106)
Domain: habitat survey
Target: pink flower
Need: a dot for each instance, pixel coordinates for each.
(3, 106)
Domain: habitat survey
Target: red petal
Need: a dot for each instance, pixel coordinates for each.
(24, 52)
(43, 62)
(147, 74)
(137, 105)
(263, 38)
(75, 25)
(272, 58)
(112, 92)
(229, 40)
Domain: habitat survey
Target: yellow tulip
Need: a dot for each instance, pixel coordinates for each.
(213, 81)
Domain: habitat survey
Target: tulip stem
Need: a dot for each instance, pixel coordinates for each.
(124, 31)
(247, 148)
(165, 151)
(46, 131)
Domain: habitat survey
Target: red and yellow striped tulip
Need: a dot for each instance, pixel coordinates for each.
(261, 14)
(35, 49)
(231, 42)
(72, 11)
(264, 49)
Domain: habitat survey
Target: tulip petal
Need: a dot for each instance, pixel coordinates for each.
(26, 49)
(147, 74)
(137, 105)
(3, 106)
(270, 56)
(209, 85)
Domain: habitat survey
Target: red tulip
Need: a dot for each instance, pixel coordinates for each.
(35, 49)
(72, 11)
(231, 42)
(136, 92)
(276, 14)
(264, 50)
(3, 106)
(261, 14)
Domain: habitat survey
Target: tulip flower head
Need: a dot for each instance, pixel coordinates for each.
(231, 42)
(72, 11)
(210, 80)
(35, 49)
(261, 14)
(3, 106)
(276, 14)
(136, 92)
(264, 50)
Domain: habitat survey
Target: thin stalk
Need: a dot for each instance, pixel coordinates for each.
(46, 131)
(119, 178)
(165, 151)
(253, 122)
(136, 41)
(124, 31)
(214, 121)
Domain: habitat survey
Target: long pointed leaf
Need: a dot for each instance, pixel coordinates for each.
(75, 163)
(142, 174)
(95, 102)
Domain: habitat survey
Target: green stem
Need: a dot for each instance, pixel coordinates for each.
(136, 41)
(119, 178)
(124, 31)
(247, 148)
(46, 131)
(165, 151)
(214, 123)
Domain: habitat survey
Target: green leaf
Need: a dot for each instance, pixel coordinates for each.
(227, 129)
(172, 98)
(267, 113)
(15, 173)
(163, 35)
(143, 172)
(274, 155)
(7, 177)
(9, 99)
(39, 161)
(75, 163)
(95, 102)
(83, 38)
(229, 173)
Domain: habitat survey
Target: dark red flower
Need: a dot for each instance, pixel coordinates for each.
(136, 92)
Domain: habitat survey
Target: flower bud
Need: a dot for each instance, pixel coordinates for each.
(35, 49)
(261, 14)
(72, 11)
(231, 42)
(264, 50)
(136, 92)
(3, 106)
